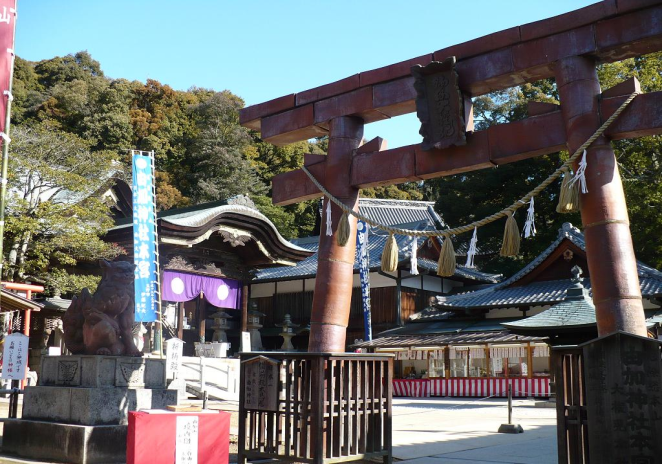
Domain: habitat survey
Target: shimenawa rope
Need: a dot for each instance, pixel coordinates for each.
(564, 168)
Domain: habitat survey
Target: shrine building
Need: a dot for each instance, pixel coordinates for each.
(477, 342)
(394, 296)
(208, 255)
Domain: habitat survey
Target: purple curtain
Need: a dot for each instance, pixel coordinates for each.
(181, 286)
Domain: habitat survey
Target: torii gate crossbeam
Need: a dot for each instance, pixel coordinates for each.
(568, 48)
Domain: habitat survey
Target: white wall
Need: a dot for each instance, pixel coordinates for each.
(514, 312)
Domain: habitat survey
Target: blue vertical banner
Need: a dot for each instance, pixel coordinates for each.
(364, 274)
(144, 237)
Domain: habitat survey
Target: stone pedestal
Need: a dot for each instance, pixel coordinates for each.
(79, 411)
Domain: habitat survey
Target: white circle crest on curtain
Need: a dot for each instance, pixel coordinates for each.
(177, 285)
(141, 163)
(222, 292)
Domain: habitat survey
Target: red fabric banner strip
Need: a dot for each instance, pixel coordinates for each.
(7, 23)
(472, 387)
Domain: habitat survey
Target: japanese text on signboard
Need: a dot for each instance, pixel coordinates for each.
(15, 356)
(186, 445)
(261, 384)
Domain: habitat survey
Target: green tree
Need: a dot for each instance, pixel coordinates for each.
(56, 212)
(471, 196)
(218, 166)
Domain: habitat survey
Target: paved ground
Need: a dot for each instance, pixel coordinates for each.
(457, 431)
(464, 431)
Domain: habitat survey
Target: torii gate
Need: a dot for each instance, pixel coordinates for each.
(565, 47)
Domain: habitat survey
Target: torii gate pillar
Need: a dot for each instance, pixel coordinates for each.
(609, 251)
(335, 264)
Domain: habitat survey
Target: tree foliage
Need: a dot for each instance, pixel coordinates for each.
(471, 196)
(55, 214)
(73, 128)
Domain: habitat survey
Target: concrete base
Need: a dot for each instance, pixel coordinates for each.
(92, 406)
(78, 444)
(510, 428)
(102, 371)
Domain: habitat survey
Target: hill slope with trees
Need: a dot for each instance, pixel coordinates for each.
(73, 128)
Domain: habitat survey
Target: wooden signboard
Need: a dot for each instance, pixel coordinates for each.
(624, 399)
(439, 104)
(260, 383)
(174, 349)
(15, 356)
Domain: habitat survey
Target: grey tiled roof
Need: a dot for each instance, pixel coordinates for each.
(435, 339)
(400, 212)
(577, 310)
(461, 271)
(420, 215)
(58, 304)
(199, 215)
(502, 295)
(376, 243)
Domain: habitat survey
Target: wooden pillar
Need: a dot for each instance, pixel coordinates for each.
(335, 264)
(609, 251)
(180, 320)
(488, 369)
(244, 308)
(529, 359)
(202, 313)
(447, 362)
(398, 298)
(26, 331)
(26, 322)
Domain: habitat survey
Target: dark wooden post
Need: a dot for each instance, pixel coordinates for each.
(529, 360)
(202, 316)
(333, 285)
(609, 251)
(244, 307)
(180, 320)
(398, 298)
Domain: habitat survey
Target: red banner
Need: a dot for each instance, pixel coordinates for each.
(472, 387)
(7, 26)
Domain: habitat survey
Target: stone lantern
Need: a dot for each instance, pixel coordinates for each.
(221, 324)
(253, 325)
(287, 333)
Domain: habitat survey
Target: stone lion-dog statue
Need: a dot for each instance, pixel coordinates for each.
(102, 323)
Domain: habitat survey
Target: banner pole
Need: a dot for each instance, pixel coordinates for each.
(159, 307)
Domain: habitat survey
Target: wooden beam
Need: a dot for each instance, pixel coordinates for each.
(499, 144)
(376, 144)
(612, 31)
(295, 186)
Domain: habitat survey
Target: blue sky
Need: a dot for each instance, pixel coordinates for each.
(261, 50)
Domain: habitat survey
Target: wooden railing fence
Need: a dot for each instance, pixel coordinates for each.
(330, 408)
(572, 421)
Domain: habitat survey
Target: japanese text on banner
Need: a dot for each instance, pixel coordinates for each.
(364, 274)
(144, 240)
